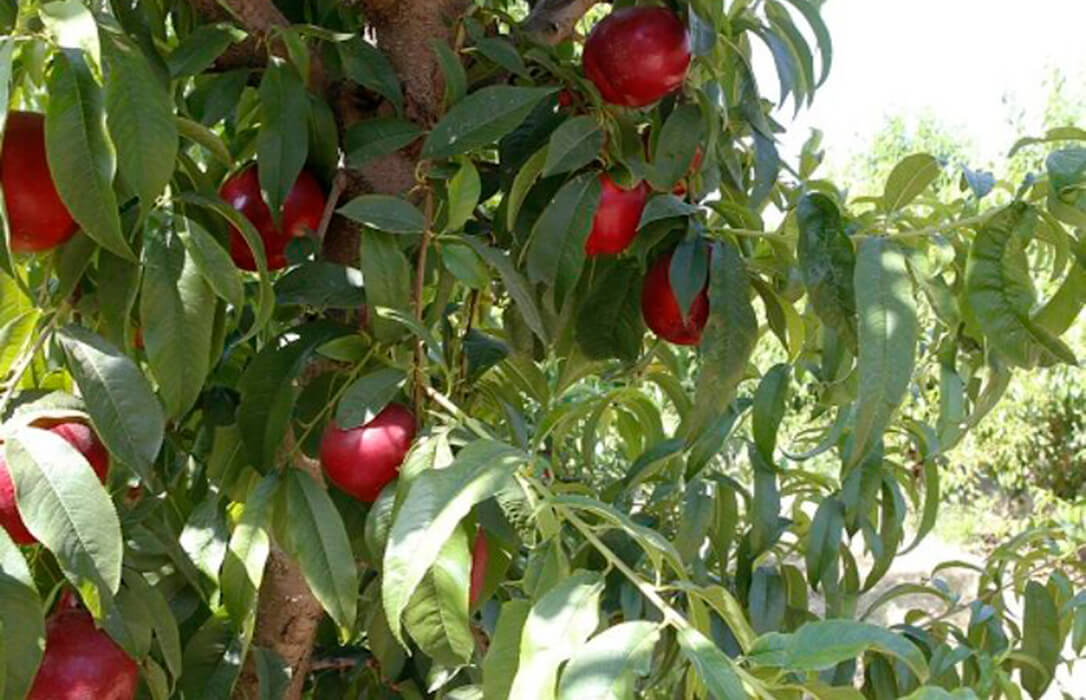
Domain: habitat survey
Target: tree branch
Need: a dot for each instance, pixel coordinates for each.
(552, 21)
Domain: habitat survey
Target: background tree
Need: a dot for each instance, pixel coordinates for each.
(355, 297)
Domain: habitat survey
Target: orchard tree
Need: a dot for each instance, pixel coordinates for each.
(436, 348)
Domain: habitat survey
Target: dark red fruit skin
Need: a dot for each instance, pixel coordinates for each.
(680, 187)
(79, 436)
(660, 308)
(480, 557)
(637, 55)
(37, 217)
(362, 460)
(82, 662)
(565, 98)
(302, 211)
(619, 212)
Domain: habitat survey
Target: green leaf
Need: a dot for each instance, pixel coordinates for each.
(557, 626)
(366, 65)
(456, 81)
(198, 50)
(481, 118)
(373, 138)
(606, 668)
(609, 322)
(503, 656)
(125, 413)
(213, 658)
(464, 191)
(712, 666)
(908, 179)
(665, 206)
(887, 339)
(769, 407)
(679, 140)
(22, 628)
(526, 177)
(1062, 133)
(213, 262)
(384, 213)
(71, 26)
(437, 615)
(556, 254)
(817, 646)
(1000, 291)
(1041, 638)
(203, 539)
(435, 501)
(66, 508)
(267, 393)
(728, 338)
(387, 278)
(811, 13)
(247, 552)
(317, 538)
(162, 619)
(688, 272)
(281, 147)
(81, 156)
(465, 264)
(200, 135)
(503, 53)
(515, 285)
(321, 284)
(14, 336)
(574, 144)
(141, 121)
(827, 262)
(824, 538)
(367, 396)
(176, 315)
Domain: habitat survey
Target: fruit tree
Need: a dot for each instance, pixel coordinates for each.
(437, 348)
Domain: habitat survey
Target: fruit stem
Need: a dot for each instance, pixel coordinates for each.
(25, 359)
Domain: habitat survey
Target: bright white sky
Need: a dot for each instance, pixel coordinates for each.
(957, 59)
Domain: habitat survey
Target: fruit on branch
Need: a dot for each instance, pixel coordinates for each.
(660, 308)
(302, 211)
(679, 190)
(637, 55)
(480, 557)
(37, 217)
(82, 662)
(363, 460)
(79, 436)
(617, 216)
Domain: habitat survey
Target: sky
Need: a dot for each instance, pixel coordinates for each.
(956, 59)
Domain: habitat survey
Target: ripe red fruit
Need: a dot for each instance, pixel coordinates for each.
(82, 662)
(680, 187)
(37, 217)
(480, 556)
(302, 211)
(637, 55)
(362, 460)
(79, 436)
(619, 212)
(565, 98)
(661, 311)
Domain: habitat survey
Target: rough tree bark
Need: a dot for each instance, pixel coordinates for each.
(288, 615)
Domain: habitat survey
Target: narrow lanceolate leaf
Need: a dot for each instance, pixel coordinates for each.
(500, 664)
(1041, 638)
(481, 118)
(250, 544)
(281, 145)
(213, 262)
(177, 317)
(1000, 292)
(437, 615)
(368, 396)
(908, 179)
(574, 144)
(525, 178)
(435, 501)
(821, 645)
(768, 409)
(317, 538)
(366, 65)
(824, 538)
(514, 284)
(712, 666)
(728, 338)
(374, 138)
(141, 121)
(198, 50)
(21, 623)
(607, 667)
(162, 619)
(665, 206)
(385, 213)
(557, 626)
(82, 159)
(827, 261)
(66, 508)
(556, 256)
(71, 26)
(387, 278)
(465, 188)
(887, 342)
(678, 143)
(125, 413)
(609, 323)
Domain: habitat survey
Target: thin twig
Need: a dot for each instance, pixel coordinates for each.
(336, 664)
(420, 278)
(339, 182)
